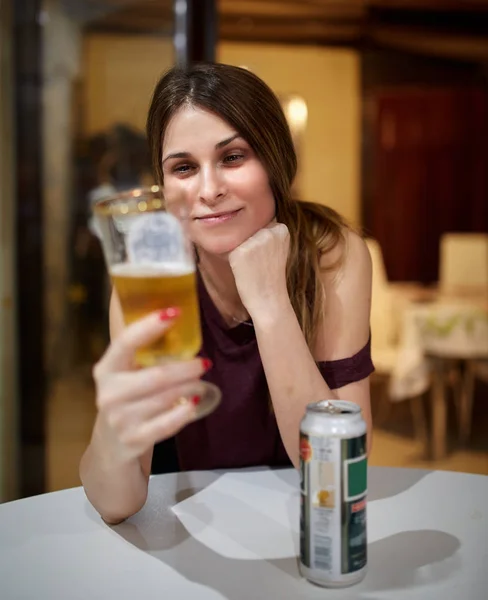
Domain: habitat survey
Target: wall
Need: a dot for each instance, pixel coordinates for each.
(8, 370)
(329, 81)
(121, 71)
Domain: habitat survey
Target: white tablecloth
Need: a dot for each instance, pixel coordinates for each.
(446, 328)
(214, 536)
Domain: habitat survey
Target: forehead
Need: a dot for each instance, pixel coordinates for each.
(193, 127)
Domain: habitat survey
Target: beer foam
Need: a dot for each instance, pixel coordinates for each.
(150, 269)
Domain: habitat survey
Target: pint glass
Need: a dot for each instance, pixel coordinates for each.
(151, 264)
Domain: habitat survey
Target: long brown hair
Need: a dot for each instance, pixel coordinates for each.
(245, 102)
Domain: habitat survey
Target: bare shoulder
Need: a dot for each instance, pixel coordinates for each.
(349, 259)
(347, 279)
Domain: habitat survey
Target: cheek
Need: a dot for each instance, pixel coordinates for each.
(252, 185)
(178, 190)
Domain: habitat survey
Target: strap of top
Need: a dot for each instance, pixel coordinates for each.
(338, 373)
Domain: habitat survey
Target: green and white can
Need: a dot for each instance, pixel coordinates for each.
(333, 486)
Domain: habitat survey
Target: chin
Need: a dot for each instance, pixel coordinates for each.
(219, 245)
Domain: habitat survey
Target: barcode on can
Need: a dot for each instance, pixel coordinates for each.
(322, 552)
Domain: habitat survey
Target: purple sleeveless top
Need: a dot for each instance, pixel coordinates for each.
(243, 431)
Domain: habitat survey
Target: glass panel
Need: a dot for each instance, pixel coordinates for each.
(8, 313)
(101, 60)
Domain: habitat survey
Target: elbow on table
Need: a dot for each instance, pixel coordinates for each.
(115, 515)
(113, 520)
(114, 508)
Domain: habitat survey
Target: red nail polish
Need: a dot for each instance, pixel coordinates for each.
(207, 364)
(196, 400)
(169, 313)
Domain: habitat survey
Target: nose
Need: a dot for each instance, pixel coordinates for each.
(212, 186)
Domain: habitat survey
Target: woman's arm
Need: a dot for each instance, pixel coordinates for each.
(116, 488)
(136, 409)
(293, 377)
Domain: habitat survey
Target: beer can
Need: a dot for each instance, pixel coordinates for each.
(333, 486)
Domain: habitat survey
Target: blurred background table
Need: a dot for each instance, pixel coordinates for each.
(443, 343)
(433, 338)
(234, 535)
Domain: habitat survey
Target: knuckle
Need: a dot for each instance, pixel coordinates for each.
(115, 420)
(105, 399)
(102, 400)
(99, 403)
(236, 252)
(248, 246)
(97, 371)
(282, 229)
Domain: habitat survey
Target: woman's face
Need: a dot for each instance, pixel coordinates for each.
(219, 177)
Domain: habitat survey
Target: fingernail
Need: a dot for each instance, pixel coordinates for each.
(169, 313)
(196, 400)
(206, 364)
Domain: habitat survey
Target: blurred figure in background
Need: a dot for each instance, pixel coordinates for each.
(125, 164)
(115, 161)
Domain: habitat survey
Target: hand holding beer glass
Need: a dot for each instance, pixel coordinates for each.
(151, 264)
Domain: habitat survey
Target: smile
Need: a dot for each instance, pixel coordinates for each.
(219, 217)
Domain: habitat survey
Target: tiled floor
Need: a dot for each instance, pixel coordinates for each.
(72, 412)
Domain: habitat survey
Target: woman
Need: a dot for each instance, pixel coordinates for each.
(284, 289)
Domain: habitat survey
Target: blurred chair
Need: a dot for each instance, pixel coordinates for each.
(463, 261)
(464, 390)
(384, 341)
(463, 268)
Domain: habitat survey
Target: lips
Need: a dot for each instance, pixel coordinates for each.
(219, 217)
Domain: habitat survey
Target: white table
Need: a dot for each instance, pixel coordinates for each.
(234, 535)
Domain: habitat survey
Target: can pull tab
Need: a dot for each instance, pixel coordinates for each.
(328, 407)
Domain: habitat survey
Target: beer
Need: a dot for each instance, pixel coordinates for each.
(333, 486)
(143, 288)
(151, 262)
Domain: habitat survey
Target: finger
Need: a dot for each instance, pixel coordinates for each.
(148, 408)
(131, 386)
(277, 227)
(169, 423)
(120, 353)
(163, 426)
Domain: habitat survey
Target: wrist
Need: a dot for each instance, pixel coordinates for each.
(109, 452)
(273, 313)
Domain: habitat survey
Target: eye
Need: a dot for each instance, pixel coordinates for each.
(232, 158)
(182, 169)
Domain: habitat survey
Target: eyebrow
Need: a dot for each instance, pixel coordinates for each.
(227, 141)
(219, 145)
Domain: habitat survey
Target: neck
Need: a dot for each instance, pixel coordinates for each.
(221, 285)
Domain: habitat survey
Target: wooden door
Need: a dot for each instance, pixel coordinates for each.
(429, 174)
